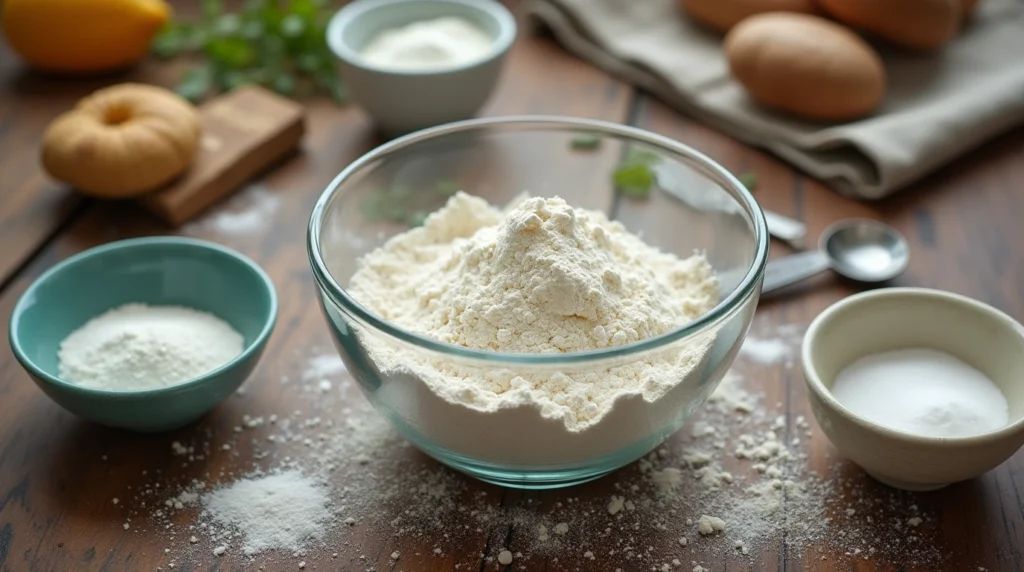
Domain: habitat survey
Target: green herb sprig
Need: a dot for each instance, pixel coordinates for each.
(635, 176)
(279, 45)
(749, 180)
(404, 205)
(585, 143)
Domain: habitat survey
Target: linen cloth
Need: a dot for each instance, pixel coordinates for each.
(937, 106)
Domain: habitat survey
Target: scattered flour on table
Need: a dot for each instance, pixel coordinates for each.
(136, 346)
(764, 351)
(322, 366)
(707, 525)
(284, 510)
(643, 517)
(774, 346)
(541, 277)
(729, 397)
(318, 371)
(250, 211)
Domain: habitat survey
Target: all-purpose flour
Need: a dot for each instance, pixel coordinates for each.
(540, 278)
(285, 510)
(380, 489)
(136, 346)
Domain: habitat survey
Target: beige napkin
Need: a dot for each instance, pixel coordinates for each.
(937, 106)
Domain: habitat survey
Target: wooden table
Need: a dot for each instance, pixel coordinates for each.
(58, 474)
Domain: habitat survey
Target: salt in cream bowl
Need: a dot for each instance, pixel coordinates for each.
(902, 318)
(155, 271)
(402, 100)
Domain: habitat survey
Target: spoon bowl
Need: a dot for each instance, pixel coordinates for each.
(863, 250)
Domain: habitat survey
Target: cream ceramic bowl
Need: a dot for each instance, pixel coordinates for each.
(897, 318)
(401, 100)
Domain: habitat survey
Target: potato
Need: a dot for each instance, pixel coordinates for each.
(915, 24)
(722, 15)
(805, 65)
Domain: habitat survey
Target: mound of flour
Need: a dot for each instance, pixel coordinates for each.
(285, 510)
(541, 277)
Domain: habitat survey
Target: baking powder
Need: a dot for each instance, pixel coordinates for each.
(135, 346)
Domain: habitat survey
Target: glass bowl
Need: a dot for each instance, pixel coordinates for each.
(692, 205)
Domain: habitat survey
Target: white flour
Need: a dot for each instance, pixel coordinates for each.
(774, 345)
(249, 211)
(323, 366)
(285, 510)
(707, 525)
(764, 351)
(136, 346)
(545, 278)
(381, 488)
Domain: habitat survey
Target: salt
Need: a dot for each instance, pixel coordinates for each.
(923, 392)
(428, 45)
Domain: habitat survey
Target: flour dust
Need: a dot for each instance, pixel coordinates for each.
(252, 210)
(734, 485)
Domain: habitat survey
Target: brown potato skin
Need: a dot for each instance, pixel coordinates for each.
(722, 15)
(806, 65)
(923, 25)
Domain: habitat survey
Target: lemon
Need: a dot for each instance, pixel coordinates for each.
(82, 36)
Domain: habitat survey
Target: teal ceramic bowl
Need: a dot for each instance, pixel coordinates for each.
(156, 271)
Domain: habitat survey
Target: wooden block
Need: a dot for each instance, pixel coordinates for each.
(244, 132)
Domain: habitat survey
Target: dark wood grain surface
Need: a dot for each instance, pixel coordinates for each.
(58, 474)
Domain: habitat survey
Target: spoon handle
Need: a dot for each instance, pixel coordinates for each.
(786, 229)
(794, 268)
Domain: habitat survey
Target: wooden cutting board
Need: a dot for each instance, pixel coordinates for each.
(244, 132)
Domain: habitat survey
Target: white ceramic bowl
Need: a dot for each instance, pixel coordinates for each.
(896, 318)
(407, 100)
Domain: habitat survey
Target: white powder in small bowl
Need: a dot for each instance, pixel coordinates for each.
(136, 346)
(922, 392)
(428, 45)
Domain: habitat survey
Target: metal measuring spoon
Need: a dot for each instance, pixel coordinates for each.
(860, 249)
(698, 192)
